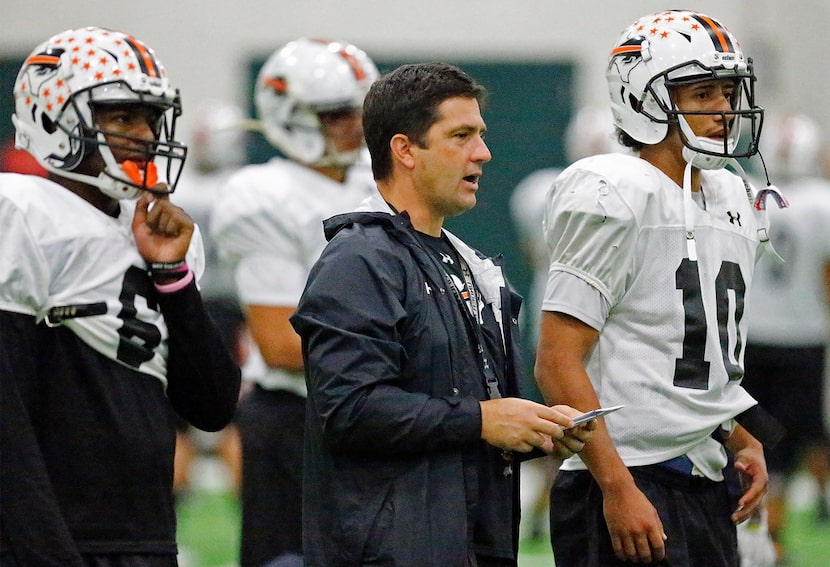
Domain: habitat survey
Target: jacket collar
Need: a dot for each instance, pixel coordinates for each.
(374, 210)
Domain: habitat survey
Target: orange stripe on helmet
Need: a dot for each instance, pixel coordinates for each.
(148, 62)
(626, 49)
(42, 60)
(357, 68)
(717, 33)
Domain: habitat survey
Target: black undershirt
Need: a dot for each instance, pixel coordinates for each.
(449, 260)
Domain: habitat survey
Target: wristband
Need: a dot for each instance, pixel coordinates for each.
(168, 272)
(169, 267)
(176, 285)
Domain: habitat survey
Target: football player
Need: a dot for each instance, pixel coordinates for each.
(267, 223)
(651, 257)
(103, 335)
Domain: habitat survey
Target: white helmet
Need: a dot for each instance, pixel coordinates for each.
(301, 79)
(672, 48)
(60, 83)
(791, 145)
(219, 136)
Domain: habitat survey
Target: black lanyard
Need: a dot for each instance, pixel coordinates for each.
(473, 322)
(471, 319)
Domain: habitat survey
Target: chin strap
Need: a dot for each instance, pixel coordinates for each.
(758, 202)
(689, 212)
(332, 158)
(759, 205)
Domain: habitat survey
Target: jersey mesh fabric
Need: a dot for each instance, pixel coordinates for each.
(52, 227)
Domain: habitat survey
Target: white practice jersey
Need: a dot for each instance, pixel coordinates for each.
(268, 226)
(66, 262)
(787, 304)
(671, 342)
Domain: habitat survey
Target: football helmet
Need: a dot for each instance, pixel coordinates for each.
(300, 80)
(678, 47)
(219, 136)
(57, 90)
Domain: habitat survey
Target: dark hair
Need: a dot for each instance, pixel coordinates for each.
(405, 101)
(625, 139)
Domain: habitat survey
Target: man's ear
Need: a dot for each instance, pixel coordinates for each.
(401, 148)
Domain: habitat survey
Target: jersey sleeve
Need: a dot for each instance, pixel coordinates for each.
(569, 294)
(202, 379)
(196, 253)
(24, 272)
(268, 279)
(591, 232)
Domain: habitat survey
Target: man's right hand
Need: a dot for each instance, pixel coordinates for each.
(521, 425)
(634, 526)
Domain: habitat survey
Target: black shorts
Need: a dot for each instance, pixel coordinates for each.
(696, 515)
(271, 427)
(788, 382)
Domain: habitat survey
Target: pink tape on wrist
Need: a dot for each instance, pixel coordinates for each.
(176, 285)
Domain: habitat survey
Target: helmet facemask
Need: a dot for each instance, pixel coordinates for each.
(334, 157)
(162, 155)
(744, 116)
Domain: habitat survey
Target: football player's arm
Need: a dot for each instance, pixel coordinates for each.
(202, 378)
(752, 470)
(269, 284)
(273, 334)
(31, 521)
(633, 523)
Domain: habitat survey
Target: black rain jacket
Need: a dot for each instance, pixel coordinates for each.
(392, 448)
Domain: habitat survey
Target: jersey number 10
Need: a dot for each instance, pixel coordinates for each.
(692, 371)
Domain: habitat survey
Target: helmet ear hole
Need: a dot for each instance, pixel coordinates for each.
(633, 102)
(48, 124)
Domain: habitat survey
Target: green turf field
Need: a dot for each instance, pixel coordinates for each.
(209, 535)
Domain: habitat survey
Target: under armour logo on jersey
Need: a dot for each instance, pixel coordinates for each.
(734, 218)
(447, 259)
